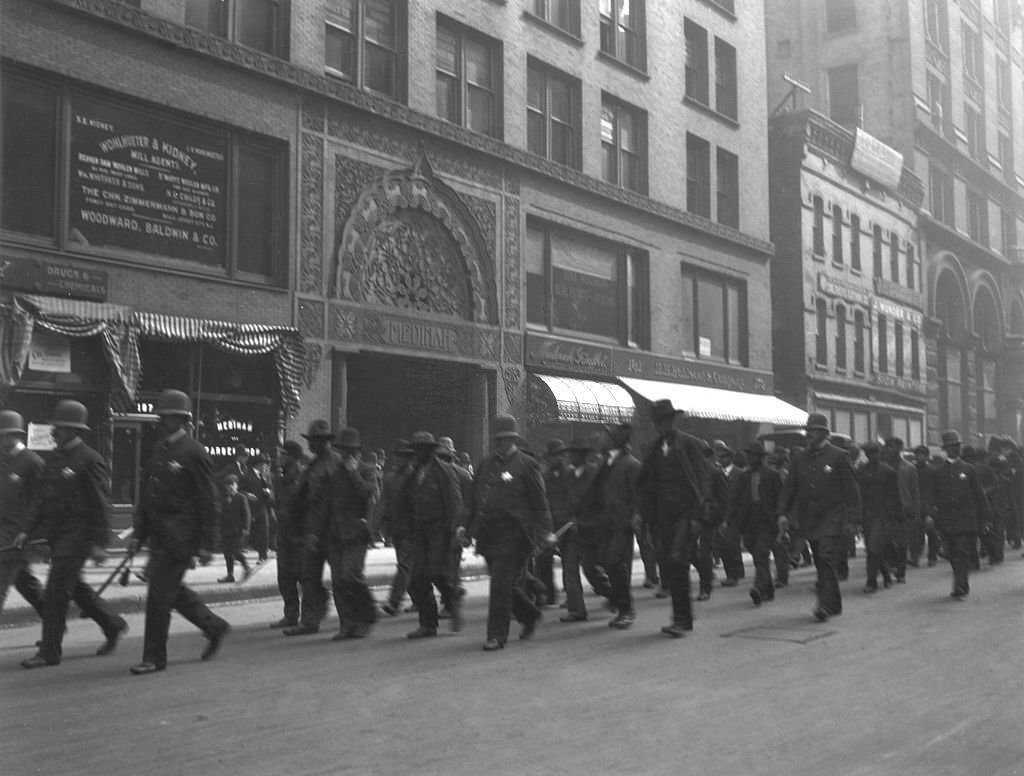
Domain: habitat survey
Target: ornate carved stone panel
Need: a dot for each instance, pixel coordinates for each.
(512, 376)
(311, 221)
(513, 345)
(411, 242)
(513, 294)
(314, 359)
(313, 115)
(311, 318)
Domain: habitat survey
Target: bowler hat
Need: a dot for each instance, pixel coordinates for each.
(663, 408)
(11, 422)
(348, 439)
(950, 438)
(816, 420)
(554, 447)
(172, 402)
(70, 414)
(422, 439)
(579, 445)
(319, 429)
(446, 445)
(402, 447)
(504, 426)
(922, 449)
(292, 448)
(620, 434)
(755, 448)
(871, 447)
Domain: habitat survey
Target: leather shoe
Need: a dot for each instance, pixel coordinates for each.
(38, 661)
(389, 609)
(730, 582)
(755, 596)
(146, 668)
(301, 630)
(675, 630)
(359, 630)
(780, 583)
(225, 580)
(622, 621)
(215, 636)
(821, 614)
(284, 622)
(870, 589)
(421, 633)
(573, 618)
(112, 638)
(529, 628)
(704, 595)
(492, 645)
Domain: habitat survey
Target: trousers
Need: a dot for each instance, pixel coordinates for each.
(64, 584)
(14, 571)
(507, 556)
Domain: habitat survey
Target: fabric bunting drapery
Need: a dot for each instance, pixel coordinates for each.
(120, 328)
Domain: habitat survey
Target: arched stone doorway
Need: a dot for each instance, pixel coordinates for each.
(950, 308)
(988, 330)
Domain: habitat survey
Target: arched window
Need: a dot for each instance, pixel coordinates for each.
(840, 337)
(988, 327)
(821, 341)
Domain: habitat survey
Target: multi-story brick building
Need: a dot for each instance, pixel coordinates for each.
(462, 207)
(942, 82)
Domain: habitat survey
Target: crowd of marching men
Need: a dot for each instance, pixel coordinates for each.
(683, 502)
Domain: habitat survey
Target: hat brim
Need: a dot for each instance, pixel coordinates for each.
(68, 424)
(507, 435)
(174, 413)
(816, 428)
(317, 436)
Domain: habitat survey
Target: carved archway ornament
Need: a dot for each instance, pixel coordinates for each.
(410, 242)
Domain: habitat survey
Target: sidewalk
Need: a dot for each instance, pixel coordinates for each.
(380, 568)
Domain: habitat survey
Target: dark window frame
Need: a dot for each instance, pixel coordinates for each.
(696, 66)
(741, 291)
(727, 169)
(619, 108)
(698, 175)
(575, 90)
(841, 324)
(855, 242)
(726, 80)
(544, 9)
(494, 49)
(837, 234)
(357, 34)
(821, 332)
(615, 36)
(229, 22)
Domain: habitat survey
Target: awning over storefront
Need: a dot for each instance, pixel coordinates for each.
(120, 328)
(718, 404)
(588, 401)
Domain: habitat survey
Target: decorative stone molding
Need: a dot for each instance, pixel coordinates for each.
(311, 220)
(312, 316)
(513, 263)
(313, 115)
(314, 359)
(512, 376)
(513, 347)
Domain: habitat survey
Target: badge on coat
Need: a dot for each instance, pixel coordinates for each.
(174, 466)
(962, 475)
(67, 473)
(828, 469)
(506, 477)
(15, 477)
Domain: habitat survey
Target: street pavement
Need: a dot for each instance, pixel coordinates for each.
(905, 682)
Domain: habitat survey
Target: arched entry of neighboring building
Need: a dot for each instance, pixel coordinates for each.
(951, 310)
(988, 329)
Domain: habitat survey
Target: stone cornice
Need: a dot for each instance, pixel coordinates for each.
(205, 44)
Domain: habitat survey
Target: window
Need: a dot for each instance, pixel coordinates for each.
(876, 250)
(714, 317)
(883, 344)
(364, 44)
(977, 217)
(1007, 232)
(859, 340)
(622, 31)
(911, 267)
(564, 14)
(584, 285)
(940, 195)
(897, 332)
(821, 329)
(972, 55)
(28, 165)
(1004, 97)
(728, 189)
(725, 79)
(468, 79)
(697, 76)
(1005, 149)
(624, 145)
(975, 125)
(938, 103)
(818, 229)
(844, 95)
(915, 355)
(259, 24)
(259, 229)
(698, 175)
(951, 396)
(855, 242)
(894, 257)
(837, 234)
(988, 417)
(553, 115)
(840, 15)
(937, 23)
(840, 337)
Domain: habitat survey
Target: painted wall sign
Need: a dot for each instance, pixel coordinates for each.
(146, 182)
(876, 160)
(54, 279)
(847, 291)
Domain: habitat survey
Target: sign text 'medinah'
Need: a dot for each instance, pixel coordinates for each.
(421, 335)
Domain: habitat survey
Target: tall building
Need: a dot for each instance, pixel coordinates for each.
(942, 83)
(396, 214)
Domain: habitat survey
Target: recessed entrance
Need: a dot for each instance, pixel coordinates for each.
(389, 397)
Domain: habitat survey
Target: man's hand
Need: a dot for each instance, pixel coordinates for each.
(929, 522)
(97, 554)
(134, 545)
(548, 541)
(461, 536)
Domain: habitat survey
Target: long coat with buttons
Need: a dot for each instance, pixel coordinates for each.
(20, 490)
(957, 500)
(509, 488)
(821, 492)
(74, 512)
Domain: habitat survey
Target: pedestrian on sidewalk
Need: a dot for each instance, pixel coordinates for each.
(880, 511)
(235, 520)
(726, 536)
(675, 485)
(74, 517)
(288, 493)
(447, 453)
(396, 523)
(752, 512)
(909, 518)
(510, 520)
(177, 518)
(821, 497)
(21, 472)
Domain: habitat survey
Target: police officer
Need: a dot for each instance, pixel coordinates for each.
(21, 473)
(74, 516)
(177, 517)
(958, 506)
(821, 495)
(926, 528)
(510, 519)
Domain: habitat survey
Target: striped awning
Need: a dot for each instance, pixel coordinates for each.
(588, 401)
(719, 404)
(80, 309)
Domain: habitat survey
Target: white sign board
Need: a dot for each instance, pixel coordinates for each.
(49, 353)
(876, 160)
(705, 346)
(40, 437)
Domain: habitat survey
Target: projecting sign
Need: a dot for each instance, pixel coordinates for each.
(146, 183)
(876, 160)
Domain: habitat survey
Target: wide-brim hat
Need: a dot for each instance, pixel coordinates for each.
(348, 439)
(620, 434)
(579, 445)
(70, 414)
(505, 427)
(174, 403)
(292, 448)
(554, 447)
(12, 422)
(755, 448)
(816, 420)
(950, 438)
(422, 439)
(662, 408)
(319, 429)
(401, 447)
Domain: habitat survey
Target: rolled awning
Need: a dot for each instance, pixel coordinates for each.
(587, 401)
(718, 404)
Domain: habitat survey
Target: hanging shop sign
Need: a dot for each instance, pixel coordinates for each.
(147, 183)
(49, 353)
(40, 437)
(54, 278)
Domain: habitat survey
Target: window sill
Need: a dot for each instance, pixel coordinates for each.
(721, 9)
(554, 29)
(709, 111)
(818, 256)
(623, 65)
(838, 265)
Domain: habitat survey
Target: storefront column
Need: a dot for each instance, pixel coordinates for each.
(480, 407)
(339, 390)
(931, 329)
(1010, 397)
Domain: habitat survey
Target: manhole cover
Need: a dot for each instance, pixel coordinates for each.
(777, 633)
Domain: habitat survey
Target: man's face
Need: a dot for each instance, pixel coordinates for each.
(952, 451)
(8, 442)
(231, 487)
(817, 436)
(424, 454)
(921, 457)
(725, 460)
(505, 445)
(873, 454)
(578, 457)
(664, 424)
(756, 461)
(62, 435)
(318, 446)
